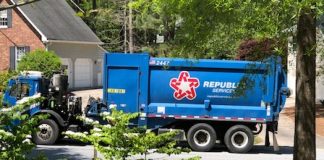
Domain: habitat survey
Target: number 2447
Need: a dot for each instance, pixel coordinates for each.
(162, 63)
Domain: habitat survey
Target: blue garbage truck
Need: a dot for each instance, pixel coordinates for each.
(206, 101)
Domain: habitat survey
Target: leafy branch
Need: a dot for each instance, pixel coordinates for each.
(116, 140)
(15, 126)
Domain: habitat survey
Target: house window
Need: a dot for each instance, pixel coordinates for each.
(20, 52)
(4, 19)
(16, 54)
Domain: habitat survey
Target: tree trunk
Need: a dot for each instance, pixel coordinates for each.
(125, 27)
(304, 140)
(94, 4)
(130, 29)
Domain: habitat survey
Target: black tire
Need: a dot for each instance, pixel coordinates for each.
(47, 134)
(239, 139)
(201, 137)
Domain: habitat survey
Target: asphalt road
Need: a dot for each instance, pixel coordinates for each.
(68, 149)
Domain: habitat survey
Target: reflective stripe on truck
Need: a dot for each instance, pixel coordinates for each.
(207, 117)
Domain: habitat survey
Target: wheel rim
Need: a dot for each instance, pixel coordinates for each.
(201, 137)
(239, 139)
(45, 131)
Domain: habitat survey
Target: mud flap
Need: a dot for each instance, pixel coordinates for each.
(267, 139)
(272, 127)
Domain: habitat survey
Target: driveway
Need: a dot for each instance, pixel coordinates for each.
(85, 94)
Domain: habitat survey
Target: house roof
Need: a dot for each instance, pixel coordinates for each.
(56, 21)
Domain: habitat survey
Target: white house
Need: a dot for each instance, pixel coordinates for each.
(51, 25)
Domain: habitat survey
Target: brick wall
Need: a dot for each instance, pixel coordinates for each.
(21, 34)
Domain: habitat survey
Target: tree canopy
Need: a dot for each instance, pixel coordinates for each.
(213, 27)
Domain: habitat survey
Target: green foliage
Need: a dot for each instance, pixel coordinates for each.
(195, 29)
(105, 21)
(107, 26)
(116, 140)
(211, 28)
(15, 126)
(4, 77)
(39, 60)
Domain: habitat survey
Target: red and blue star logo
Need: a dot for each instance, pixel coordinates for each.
(184, 86)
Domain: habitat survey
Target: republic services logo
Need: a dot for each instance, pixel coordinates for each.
(184, 86)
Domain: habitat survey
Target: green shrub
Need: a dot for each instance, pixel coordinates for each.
(15, 126)
(117, 141)
(39, 60)
(4, 78)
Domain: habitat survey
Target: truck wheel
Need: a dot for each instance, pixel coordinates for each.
(47, 134)
(239, 139)
(201, 137)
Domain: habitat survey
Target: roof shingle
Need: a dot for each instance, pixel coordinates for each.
(57, 21)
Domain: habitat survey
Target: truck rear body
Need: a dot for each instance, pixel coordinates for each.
(165, 90)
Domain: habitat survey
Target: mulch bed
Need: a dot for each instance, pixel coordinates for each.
(290, 112)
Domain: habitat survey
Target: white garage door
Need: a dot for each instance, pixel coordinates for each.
(83, 73)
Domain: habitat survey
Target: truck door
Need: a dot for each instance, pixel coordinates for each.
(123, 88)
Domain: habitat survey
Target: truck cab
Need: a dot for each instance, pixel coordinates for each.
(20, 87)
(61, 106)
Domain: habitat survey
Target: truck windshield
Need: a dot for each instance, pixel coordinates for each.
(19, 90)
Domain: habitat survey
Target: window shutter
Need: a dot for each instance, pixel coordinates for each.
(27, 49)
(12, 58)
(9, 17)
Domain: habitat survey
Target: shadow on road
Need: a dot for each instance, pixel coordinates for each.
(269, 150)
(57, 153)
(259, 150)
(70, 142)
(64, 149)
